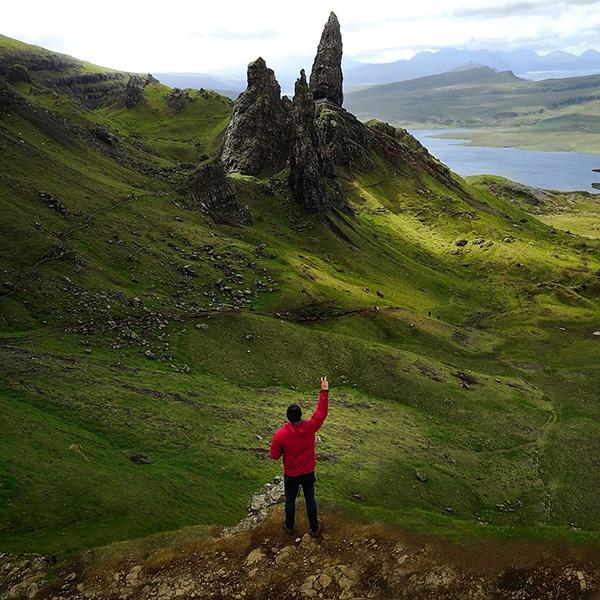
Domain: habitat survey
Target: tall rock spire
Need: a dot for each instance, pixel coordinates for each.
(305, 157)
(326, 75)
(257, 136)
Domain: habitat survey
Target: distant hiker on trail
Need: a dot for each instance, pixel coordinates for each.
(296, 441)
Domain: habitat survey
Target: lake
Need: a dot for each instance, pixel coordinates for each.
(562, 171)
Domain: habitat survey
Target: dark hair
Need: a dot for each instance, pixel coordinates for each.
(294, 413)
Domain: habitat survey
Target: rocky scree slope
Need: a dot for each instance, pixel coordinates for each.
(256, 560)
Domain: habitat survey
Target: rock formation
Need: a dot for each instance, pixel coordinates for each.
(134, 92)
(306, 160)
(212, 193)
(177, 99)
(345, 139)
(313, 134)
(259, 505)
(326, 76)
(257, 136)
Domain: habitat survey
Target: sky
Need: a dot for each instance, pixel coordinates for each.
(222, 37)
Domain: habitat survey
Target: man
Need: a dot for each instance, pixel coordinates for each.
(296, 442)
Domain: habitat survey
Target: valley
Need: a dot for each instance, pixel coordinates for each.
(175, 269)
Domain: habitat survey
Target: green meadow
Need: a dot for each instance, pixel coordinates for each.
(148, 354)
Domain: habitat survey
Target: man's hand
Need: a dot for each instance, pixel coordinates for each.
(324, 383)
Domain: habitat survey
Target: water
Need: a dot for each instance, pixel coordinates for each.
(562, 171)
(539, 75)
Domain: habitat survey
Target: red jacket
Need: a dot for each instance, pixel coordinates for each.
(297, 441)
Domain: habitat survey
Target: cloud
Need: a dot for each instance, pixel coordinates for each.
(222, 37)
(226, 34)
(501, 10)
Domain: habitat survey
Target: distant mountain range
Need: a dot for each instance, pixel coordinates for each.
(560, 114)
(420, 65)
(476, 97)
(448, 59)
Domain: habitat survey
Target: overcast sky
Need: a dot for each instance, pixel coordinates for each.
(223, 36)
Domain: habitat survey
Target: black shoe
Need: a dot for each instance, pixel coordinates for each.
(288, 530)
(316, 532)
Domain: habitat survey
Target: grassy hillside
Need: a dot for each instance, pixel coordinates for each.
(147, 354)
(559, 114)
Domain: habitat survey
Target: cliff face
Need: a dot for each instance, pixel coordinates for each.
(257, 137)
(63, 74)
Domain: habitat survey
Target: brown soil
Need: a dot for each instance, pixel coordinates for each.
(349, 560)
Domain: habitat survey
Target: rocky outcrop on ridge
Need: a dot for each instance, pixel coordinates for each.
(326, 76)
(177, 99)
(134, 92)
(212, 193)
(313, 134)
(61, 72)
(257, 136)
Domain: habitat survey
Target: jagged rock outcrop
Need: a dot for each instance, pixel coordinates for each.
(257, 136)
(306, 158)
(314, 134)
(326, 76)
(17, 73)
(134, 92)
(345, 139)
(177, 99)
(212, 193)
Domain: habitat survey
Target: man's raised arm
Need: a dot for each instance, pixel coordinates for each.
(276, 450)
(315, 422)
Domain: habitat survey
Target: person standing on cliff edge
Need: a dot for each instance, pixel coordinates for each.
(295, 441)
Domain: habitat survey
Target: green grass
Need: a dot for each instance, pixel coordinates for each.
(87, 294)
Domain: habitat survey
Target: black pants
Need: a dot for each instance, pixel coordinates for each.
(291, 491)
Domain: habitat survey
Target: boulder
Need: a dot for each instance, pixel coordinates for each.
(213, 194)
(177, 99)
(254, 557)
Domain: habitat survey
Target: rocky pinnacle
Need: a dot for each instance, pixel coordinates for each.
(305, 156)
(257, 135)
(326, 75)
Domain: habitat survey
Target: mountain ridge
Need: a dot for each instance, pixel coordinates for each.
(481, 97)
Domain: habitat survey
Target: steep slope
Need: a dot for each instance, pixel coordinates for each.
(148, 350)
